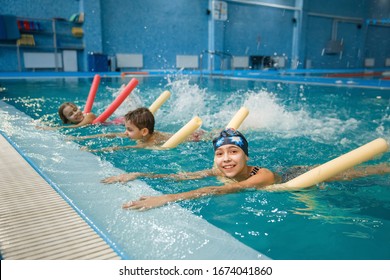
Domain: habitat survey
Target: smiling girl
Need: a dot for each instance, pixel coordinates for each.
(231, 156)
(230, 162)
(71, 114)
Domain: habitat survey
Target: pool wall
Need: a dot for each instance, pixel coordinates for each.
(159, 30)
(341, 78)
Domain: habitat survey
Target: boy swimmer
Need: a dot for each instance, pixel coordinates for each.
(139, 125)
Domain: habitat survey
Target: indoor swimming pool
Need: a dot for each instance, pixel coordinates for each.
(288, 124)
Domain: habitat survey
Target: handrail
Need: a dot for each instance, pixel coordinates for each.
(220, 54)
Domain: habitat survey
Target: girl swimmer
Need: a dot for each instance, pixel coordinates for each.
(71, 114)
(230, 158)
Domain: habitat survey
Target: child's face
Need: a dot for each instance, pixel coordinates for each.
(231, 160)
(134, 132)
(73, 114)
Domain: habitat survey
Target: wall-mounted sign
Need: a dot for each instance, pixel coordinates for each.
(219, 10)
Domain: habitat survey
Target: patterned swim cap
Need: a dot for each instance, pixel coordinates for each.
(231, 136)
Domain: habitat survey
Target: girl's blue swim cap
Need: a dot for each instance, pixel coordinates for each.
(231, 136)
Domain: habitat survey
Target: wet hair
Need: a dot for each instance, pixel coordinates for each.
(61, 111)
(141, 118)
(231, 136)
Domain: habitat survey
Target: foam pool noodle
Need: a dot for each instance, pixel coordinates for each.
(183, 133)
(333, 167)
(238, 118)
(159, 101)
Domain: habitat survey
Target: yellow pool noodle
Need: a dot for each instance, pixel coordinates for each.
(238, 118)
(183, 133)
(159, 101)
(333, 167)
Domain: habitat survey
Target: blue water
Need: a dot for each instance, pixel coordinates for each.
(288, 124)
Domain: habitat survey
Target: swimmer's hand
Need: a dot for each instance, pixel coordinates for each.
(77, 138)
(112, 149)
(46, 127)
(109, 149)
(122, 178)
(197, 136)
(148, 202)
(104, 135)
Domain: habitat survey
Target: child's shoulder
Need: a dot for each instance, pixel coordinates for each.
(90, 116)
(88, 119)
(161, 137)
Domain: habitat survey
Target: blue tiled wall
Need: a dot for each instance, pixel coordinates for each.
(156, 28)
(268, 32)
(162, 29)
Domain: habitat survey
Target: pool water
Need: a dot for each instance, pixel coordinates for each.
(288, 124)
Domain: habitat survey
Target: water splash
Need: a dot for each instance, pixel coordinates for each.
(187, 100)
(383, 123)
(267, 113)
(133, 101)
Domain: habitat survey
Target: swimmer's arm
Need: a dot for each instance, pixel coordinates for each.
(116, 148)
(264, 177)
(103, 135)
(88, 119)
(60, 127)
(149, 202)
(192, 175)
(180, 176)
(48, 127)
(361, 171)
